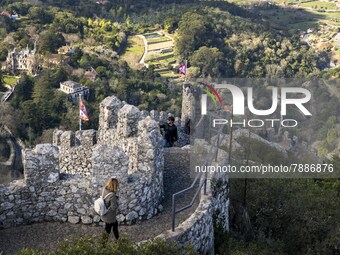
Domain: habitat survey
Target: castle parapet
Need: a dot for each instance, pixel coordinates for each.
(67, 139)
(154, 115)
(109, 161)
(57, 137)
(41, 165)
(150, 151)
(144, 114)
(75, 150)
(86, 138)
(129, 148)
(128, 117)
(163, 116)
(108, 117)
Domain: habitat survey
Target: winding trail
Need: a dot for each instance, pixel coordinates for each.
(47, 235)
(145, 50)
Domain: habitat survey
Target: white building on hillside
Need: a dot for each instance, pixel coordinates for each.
(74, 89)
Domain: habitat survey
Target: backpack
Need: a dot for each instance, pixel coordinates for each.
(99, 205)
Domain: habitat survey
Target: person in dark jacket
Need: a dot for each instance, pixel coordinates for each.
(111, 202)
(171, 135)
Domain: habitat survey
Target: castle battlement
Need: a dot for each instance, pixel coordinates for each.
(41, 164)
(70, 139)
(69, 175)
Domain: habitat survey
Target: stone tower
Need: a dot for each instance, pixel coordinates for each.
(188, 103)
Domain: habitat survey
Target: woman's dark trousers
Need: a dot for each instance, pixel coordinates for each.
(114, 227)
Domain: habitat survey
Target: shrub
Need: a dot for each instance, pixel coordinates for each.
(102, 246)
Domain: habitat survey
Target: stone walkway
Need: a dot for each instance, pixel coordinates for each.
(48, 235)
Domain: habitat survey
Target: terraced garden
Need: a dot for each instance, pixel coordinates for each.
(320, 5)
(160, 53)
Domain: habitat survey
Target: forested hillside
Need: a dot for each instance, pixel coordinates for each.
(218, 39)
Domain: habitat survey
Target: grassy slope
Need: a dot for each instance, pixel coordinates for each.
(134, 52)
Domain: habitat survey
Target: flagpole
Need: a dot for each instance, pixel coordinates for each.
(79, 112)
(186, 65)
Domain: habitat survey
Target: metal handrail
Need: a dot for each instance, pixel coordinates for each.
(203, 184)
(174, 211)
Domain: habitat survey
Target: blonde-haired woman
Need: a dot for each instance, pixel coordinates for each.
(109, 218)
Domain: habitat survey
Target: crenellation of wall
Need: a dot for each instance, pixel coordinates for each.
(139, 137)
(75, 150)
(163, 116)
(108, 118)
(154, 115)
(128, 118)
(67, 139)
(57, 137)
(86, 138)
(127, 147)
(144, 114)
(41, 164)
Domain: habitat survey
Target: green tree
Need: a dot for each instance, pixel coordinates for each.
(2, 87)
(194, 31)
(7, 24)
(170, 24)
(20, 8)
(101, 71)
(42, 89)
(39, 15)
(209, 60)
(12, 118)
(58, 76)
(75, 57)
(297, 216)
(23, 91)
(50, 41)
(3, 52)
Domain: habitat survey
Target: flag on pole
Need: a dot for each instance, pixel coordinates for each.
(182, 69)
(82, 111)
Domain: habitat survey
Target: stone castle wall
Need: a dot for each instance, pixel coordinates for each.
(188, 103)
(198, 229)
(41, 195)
(62, 181)
(76, 150)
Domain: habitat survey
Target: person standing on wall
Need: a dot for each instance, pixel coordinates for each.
(171, 135)
(111, 201)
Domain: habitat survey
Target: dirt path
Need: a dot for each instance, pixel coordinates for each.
(145, 50)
